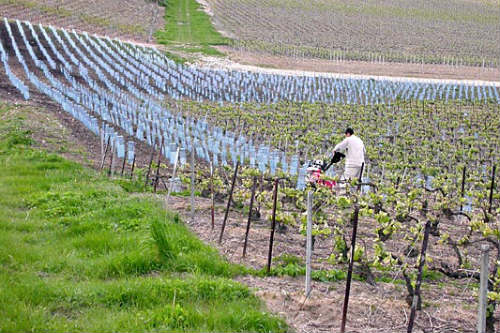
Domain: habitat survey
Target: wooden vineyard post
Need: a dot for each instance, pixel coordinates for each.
(273, 226)
(309, 242)
(212, 195)
(105, 153)
(102, 141)
(462, 193)
(229, 201)
(297, 153)
(361, 175)
(149, 166)
(492, 186)
(192, 183)
(416, 294)
(483, 289)
(157, 176)
(132, 169)
(111, 161)
(172, 179)
(252, 196)
(349, 272)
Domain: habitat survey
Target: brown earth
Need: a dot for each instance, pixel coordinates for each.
(449, 305)
(301, 24)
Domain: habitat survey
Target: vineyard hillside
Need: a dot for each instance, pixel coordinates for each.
(210, 197)
(130, 20)
(454, 32)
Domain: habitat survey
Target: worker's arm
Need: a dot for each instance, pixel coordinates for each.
(341, 146)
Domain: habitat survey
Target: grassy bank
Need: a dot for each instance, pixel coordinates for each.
(77, 253)
(188, 29)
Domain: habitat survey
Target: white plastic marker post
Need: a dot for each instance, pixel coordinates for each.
(173, 177)
(309, 243)
(483, 289)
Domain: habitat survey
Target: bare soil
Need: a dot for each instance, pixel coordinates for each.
(449, 305)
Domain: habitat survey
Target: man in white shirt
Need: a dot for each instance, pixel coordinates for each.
(355, 154)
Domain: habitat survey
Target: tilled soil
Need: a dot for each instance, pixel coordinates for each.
(448, 306)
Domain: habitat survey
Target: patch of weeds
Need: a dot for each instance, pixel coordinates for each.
(331, 275)
(431, 275)
(174, 57)
(389, 279)
(286, 259)
(182, 252)
(189, 26)
(19, 138)
(186, 193)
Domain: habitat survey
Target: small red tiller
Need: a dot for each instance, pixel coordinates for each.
(316, 168)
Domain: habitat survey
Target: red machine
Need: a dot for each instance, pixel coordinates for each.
(316, 168)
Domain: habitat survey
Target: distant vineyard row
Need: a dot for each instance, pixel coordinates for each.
(132, 19)
(435, 32)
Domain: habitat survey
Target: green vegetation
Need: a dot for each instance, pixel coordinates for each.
(77, 253)
(188, 29)
(415, 185)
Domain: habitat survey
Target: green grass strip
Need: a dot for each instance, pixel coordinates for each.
(189, 27)
(80, 254)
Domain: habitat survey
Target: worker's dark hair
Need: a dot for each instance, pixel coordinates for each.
(349, 131)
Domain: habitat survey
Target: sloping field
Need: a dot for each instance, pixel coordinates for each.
(131, 19)
(459, 32)
(432, 152)
(80, 254)
(456, 39)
